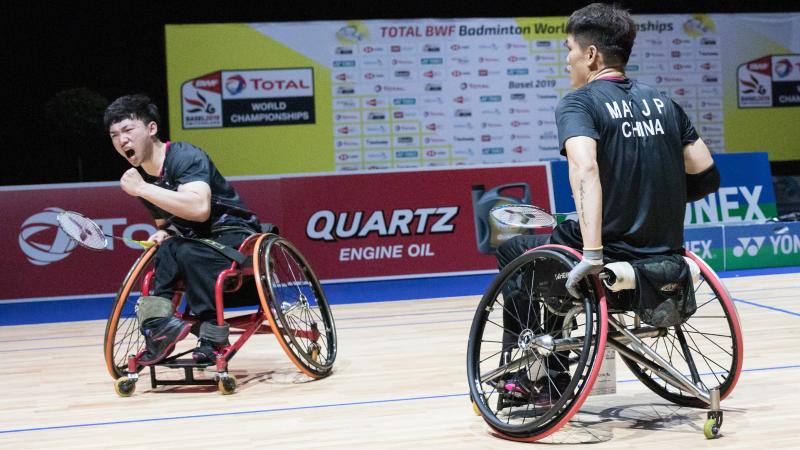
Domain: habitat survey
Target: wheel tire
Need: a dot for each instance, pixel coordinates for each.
(295, 305)
(720, 371)
(124, 387)
(526, 421)
(122, 336)
(227, 385)
(711, 429)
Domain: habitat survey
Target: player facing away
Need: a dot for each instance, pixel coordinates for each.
(189, 200)
(634, 159)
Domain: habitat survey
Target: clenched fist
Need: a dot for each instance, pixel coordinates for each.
(131, 182)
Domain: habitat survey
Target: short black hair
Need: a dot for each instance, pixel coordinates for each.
(610, 28)
(136, 106)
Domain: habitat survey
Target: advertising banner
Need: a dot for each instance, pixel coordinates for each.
(707, 242)
(40, 260)
(745, 194)
(767, 245)
(310, 97)
(349, 226)
(249, 98)
(401, 223)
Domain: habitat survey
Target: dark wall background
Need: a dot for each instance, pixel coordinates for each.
(64, 62)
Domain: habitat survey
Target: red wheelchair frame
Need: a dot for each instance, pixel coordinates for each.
(282, 277)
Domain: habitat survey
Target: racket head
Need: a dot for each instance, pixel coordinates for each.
(522, 216)
(82, 230)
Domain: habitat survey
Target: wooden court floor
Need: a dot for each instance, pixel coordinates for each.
(399, 382)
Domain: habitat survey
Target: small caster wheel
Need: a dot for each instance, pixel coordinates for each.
(226, 385)
(475, 408)
(711, 429)
(124, 386)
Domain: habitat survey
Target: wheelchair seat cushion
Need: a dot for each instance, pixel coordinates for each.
(665, 293)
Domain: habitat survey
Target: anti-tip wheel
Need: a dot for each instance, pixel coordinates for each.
(124, 386)
(227, 385)
(315, 348)
(475, 408)
(711, 429)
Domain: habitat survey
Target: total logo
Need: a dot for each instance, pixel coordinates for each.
(268, 83)
(783, 67)
(235, 84)
(43, 242)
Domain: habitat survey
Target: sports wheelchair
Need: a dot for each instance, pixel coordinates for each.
(275, 277)
(560, 341)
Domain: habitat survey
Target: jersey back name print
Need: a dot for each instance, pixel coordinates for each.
(638, 128)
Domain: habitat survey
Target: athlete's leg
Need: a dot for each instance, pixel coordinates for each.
(167, 271)
(201, 266)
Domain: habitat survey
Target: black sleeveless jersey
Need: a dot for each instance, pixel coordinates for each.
(185, 163)
(640, 136)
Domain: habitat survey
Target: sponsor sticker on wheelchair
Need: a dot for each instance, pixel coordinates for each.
(606, 382)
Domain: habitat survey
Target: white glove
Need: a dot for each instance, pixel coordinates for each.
(591, 264)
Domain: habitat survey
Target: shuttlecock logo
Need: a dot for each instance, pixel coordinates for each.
(42, 240)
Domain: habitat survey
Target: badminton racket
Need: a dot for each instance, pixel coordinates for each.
(522, 216)
(87, 233)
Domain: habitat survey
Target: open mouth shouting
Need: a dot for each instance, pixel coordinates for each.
(129, 153)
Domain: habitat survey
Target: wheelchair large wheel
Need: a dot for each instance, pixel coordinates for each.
(295, 304)
(711, 339)
(534, 351)
(122, 336)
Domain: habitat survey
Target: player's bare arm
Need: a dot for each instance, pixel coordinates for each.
(584, 178)
(192, 201)
(697, 157)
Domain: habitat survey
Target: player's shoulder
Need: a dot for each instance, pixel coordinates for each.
(645, 89)
(183, 150)
(582, 93)
(183, 154)
(580, 98)
(183, 147)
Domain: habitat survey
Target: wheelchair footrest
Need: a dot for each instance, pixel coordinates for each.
(181, 363)
(188, 366)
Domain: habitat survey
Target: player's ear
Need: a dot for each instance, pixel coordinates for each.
(592, 55)
(152, 129)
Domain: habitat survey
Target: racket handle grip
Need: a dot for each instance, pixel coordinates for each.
(145, 244)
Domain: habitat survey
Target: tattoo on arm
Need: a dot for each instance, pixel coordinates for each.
(582, 191)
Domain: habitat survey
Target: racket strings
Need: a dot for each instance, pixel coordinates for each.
(82, 230)
(523, 216)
